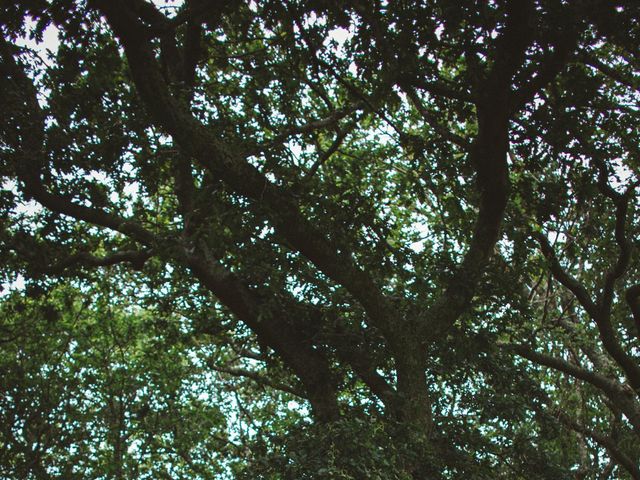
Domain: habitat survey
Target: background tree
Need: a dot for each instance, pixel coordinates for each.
(400, 235)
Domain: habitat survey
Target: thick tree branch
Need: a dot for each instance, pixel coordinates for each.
(270, 324)
(24, 113)
(623, 398)
(224, 162)
(307, 363)
(550, 65)
(185, 189)
(622, 262)
(489, 157)
(607, 442)
(510, 46)
(191, 56)
(602, 319)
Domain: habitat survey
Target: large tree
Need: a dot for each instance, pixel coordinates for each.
(320, 239)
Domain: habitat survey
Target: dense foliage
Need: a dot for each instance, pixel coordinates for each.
(318, 239)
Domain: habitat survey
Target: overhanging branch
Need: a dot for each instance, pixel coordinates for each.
(28, 120)
(623, 397)
(279, 204)
(607, 442)
(600, 317)
(137, 258)
(258, 378)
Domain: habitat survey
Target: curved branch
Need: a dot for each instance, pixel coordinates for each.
(226, 163)
(602, 318)
(620, 396)
(341, 134)
(269, 322)
(625, 246)
(569, 282)
(331, 120)
(29, 124)
(610, 387)
(607, 442)
(433, 122)
(489, 157)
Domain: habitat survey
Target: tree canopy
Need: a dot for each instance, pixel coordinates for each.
(320, 239)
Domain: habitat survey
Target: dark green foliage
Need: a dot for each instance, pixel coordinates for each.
(320, 239)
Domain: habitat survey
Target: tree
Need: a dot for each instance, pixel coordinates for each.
(401, 233)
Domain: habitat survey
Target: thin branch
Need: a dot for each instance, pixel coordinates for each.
(312, 126)
(569, 282)
(27, 114)
(620, 395)
(135, 257)
(632, 296)
(624, 257)
(258, 378)
(625, 246)
(590, 59)
(433, 122)
(438, 88)
(333, 148)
